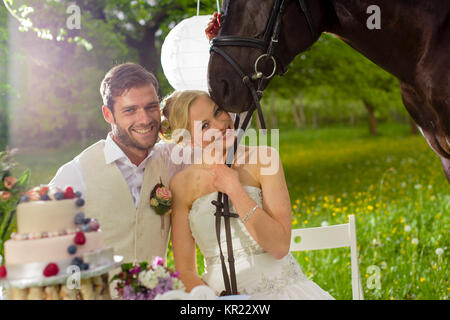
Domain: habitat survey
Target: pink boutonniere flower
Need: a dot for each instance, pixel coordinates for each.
(164, 194)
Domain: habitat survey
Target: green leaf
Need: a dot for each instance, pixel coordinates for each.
(126, 266)
(24, 180)
(143, 265)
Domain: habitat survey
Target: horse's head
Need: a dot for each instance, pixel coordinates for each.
(246, 26)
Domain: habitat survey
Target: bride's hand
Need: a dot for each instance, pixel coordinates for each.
(225, 179)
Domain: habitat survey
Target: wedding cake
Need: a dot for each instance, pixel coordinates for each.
(55, 242)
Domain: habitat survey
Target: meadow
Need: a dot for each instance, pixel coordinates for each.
(393, 183)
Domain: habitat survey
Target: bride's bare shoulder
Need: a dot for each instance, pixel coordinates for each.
(180, 177)
(189, 180)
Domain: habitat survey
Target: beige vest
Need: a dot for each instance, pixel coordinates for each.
(135, 234)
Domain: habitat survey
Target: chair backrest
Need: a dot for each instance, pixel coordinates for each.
(320, 238)
(329, 237)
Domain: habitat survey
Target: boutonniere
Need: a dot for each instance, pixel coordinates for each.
(161, 199)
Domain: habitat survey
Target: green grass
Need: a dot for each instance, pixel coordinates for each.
(393, 183)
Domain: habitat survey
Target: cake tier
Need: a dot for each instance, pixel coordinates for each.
(49, 249)
(47, 216)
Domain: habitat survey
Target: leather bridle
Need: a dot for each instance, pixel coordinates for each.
(267, 45)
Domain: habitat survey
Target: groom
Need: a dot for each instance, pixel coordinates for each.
(117, 175)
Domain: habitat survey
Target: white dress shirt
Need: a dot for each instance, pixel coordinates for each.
(71, 173)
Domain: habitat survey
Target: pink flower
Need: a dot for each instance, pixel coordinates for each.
(5, 195)
(9, 182)
(135, 270)
(163, 193)
(157, 261)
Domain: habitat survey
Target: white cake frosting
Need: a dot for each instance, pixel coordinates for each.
(46, 216)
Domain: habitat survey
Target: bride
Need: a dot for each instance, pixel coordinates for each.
(261, 235)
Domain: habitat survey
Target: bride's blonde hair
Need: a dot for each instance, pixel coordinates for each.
(175, 113)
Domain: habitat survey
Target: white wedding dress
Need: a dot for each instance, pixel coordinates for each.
(258, 274)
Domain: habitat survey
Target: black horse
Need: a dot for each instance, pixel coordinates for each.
(412, 43)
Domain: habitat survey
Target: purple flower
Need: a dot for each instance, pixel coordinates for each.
(142, 296)
(157, 261)
(128, 293)
(169, 284)
(135, 270)
(164, 285)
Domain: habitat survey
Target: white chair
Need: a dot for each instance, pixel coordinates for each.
(329, 237)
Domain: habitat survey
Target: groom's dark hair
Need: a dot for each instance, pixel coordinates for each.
(124, 77)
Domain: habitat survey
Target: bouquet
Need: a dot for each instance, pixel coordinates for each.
(11, 190)
(144, 281)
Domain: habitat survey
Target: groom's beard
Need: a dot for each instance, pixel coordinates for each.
(125, 136)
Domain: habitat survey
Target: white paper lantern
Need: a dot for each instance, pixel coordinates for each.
(185, 54)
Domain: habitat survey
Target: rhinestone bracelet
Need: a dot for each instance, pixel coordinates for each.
(249, 214)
